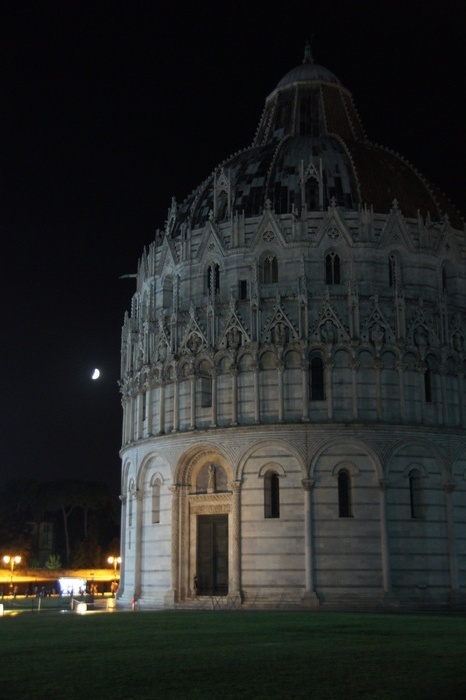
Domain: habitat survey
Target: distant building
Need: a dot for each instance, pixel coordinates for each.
(293, 376)
(42, 536)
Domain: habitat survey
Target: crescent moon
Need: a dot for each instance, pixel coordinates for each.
(96, 374)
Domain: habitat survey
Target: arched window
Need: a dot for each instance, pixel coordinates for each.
(428, 386)
(444, 279)
(205, 385)
(156, 502)
(317, 379)
(430, 374)
(206, 391)
(332, 269)
(416, 496)
(448, 281)
(270, 270)
(222, 201)
(144, 406)
(213, 278)
(392, 271)
(242, 289)
(344, 494)
(167, 293)
(130, 508)
(271, 495)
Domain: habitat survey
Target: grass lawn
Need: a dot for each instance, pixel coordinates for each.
(51, 655)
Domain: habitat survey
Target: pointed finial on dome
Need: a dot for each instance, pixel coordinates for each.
(308, 52)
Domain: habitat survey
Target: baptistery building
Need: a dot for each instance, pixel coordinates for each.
(293, 377)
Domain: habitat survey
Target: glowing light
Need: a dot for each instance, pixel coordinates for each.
(96, 374)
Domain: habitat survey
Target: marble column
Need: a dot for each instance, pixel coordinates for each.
(354, 381)
(461, 398)
(305, 392)
(452, 556)
(401, 369)
(310, 595)
(149, 410)
(213, 419)
(257, 410)
(422, 392)
(139, 403)
(234, 588)
(281, 407)
(176, 493)
(234, 395)
(176, 404)
(377, 368)
(161, 408)
(444, 402)
(121, 586)
(384, 539)
(139, 503)
(124, 432)
(329, 389)
(192, 422)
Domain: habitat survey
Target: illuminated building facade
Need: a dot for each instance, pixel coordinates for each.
(292, 376)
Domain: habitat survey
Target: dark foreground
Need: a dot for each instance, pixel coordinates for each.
(231, 655)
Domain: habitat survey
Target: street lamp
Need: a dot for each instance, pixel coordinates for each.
(115, 561)
(9, 560)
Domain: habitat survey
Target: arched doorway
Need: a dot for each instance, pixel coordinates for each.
(212, 555)
(204, 556)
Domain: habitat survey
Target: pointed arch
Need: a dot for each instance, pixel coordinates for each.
(332, 268)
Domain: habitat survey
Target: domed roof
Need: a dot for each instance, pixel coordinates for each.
(308, 72)
(310, 149)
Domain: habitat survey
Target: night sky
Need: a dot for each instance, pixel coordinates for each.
(108, 109)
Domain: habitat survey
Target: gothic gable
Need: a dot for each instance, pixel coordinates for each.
(194, 339)
(332, 229)
(328, 327)
(376, 328)
(211, 242)
(279, 329)
(234, 334)
(268, 232)
(395, 232)
(162, 343)
(168, 256)
(422, 332)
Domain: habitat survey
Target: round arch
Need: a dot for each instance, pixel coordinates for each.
(353, 442)
(192, 461)
(280, 444)
(439, 456)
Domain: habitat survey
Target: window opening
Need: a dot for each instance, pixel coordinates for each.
(206, 392)
(392, 276)
(317, 379)
(242, 289)
(428, 386)
(332, 269)
(415, 494)
(344, 488)
(270, 270)
(271, 495)
(444, 279)
(156, 502)
(213, 278)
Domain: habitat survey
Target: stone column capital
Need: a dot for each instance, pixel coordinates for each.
(308, 484)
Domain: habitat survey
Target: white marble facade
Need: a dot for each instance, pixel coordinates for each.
(293, 390)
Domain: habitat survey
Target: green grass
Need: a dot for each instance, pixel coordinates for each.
(232, 655)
